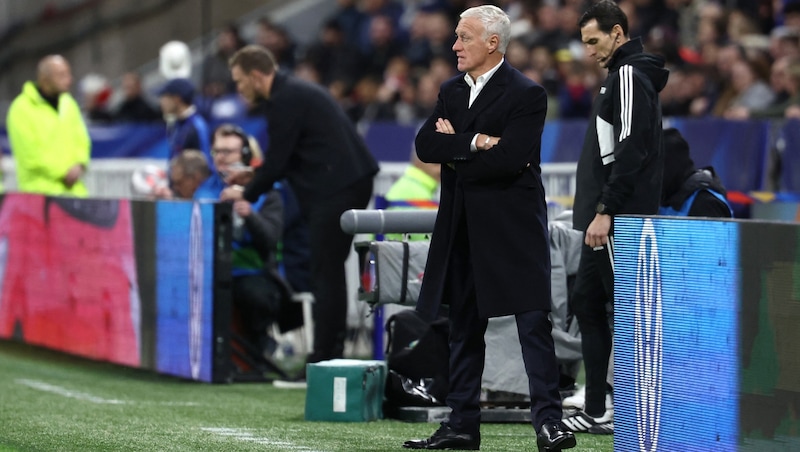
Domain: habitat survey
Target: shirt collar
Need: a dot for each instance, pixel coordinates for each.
(482, 79)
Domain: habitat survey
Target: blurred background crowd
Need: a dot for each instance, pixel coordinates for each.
(385, 59)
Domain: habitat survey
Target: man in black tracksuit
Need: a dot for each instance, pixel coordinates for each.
(619, 171)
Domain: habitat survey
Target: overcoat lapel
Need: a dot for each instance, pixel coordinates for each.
(493, 89)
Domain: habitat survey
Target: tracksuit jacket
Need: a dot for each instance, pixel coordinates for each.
(622, 159)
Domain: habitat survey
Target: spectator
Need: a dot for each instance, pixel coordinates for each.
(307, 72)
(391, 10)
(574, 97)
(334, 58)
(186, 128)
(134, 106)
(544, 63)
(517, 55)
(426, 95)
(791, 14)
(395, 79)
(722, 91)
(780, 79)
(382, 46)
(548, 33)
(315, 147)
(368, 107)
(784, 82)
(278, 41)
(187, 172)
(686, 85)
(784, 41)
(431, 37)
(740, 25)
(96, 93)
(405, 107)
(47, 135)
(216, 75)
(441, 69)
(750, 91)
(349, 18)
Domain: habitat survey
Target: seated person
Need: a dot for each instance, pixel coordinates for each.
(187, 172)
(261, 295)
(686, 190)
(294, 255)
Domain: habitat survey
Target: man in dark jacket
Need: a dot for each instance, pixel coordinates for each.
(489, 254)
(688, 191)
(317, 149)
(619, 171)
(186, 128)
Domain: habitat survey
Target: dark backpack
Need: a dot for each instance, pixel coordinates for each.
(417, 357)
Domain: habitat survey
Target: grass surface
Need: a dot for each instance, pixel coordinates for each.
(50, 401)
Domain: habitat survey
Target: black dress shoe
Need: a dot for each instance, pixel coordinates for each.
(553, 437)
(446, 439)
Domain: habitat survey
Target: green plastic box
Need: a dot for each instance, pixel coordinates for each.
(345, 390)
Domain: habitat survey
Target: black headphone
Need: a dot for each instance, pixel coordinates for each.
(233, 129)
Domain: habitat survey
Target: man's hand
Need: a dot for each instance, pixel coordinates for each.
(792, 112)
(243, 208)
(737, 112)
(74, 173)
(238, 176)
(486, 141)
(444, 126)
(162, 192)
(597, 232)
(232, 193)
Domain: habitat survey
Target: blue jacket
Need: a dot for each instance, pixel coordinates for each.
(191, 132)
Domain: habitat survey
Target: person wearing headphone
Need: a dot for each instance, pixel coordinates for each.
(231, 149)
(261, 295)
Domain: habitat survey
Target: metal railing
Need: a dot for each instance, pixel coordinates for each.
(111, 178)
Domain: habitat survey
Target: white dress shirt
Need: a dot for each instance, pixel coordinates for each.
(475, 88)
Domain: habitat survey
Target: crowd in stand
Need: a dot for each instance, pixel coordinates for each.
(385, 59)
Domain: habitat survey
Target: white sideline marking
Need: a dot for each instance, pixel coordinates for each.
(245, 435)
(46, 387)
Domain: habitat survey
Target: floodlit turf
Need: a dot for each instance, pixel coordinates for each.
(54, 402)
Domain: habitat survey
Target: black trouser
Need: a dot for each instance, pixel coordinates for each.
(259, 302)
(330, 247)
(592, 292)
(468, 349)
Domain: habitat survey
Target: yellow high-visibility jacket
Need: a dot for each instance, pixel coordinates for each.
(46, 143)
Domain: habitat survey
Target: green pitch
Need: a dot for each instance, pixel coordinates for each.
(54, 402)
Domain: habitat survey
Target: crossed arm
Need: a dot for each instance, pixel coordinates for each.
(483, 142)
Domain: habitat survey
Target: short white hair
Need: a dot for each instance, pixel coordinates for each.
(495, 21)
